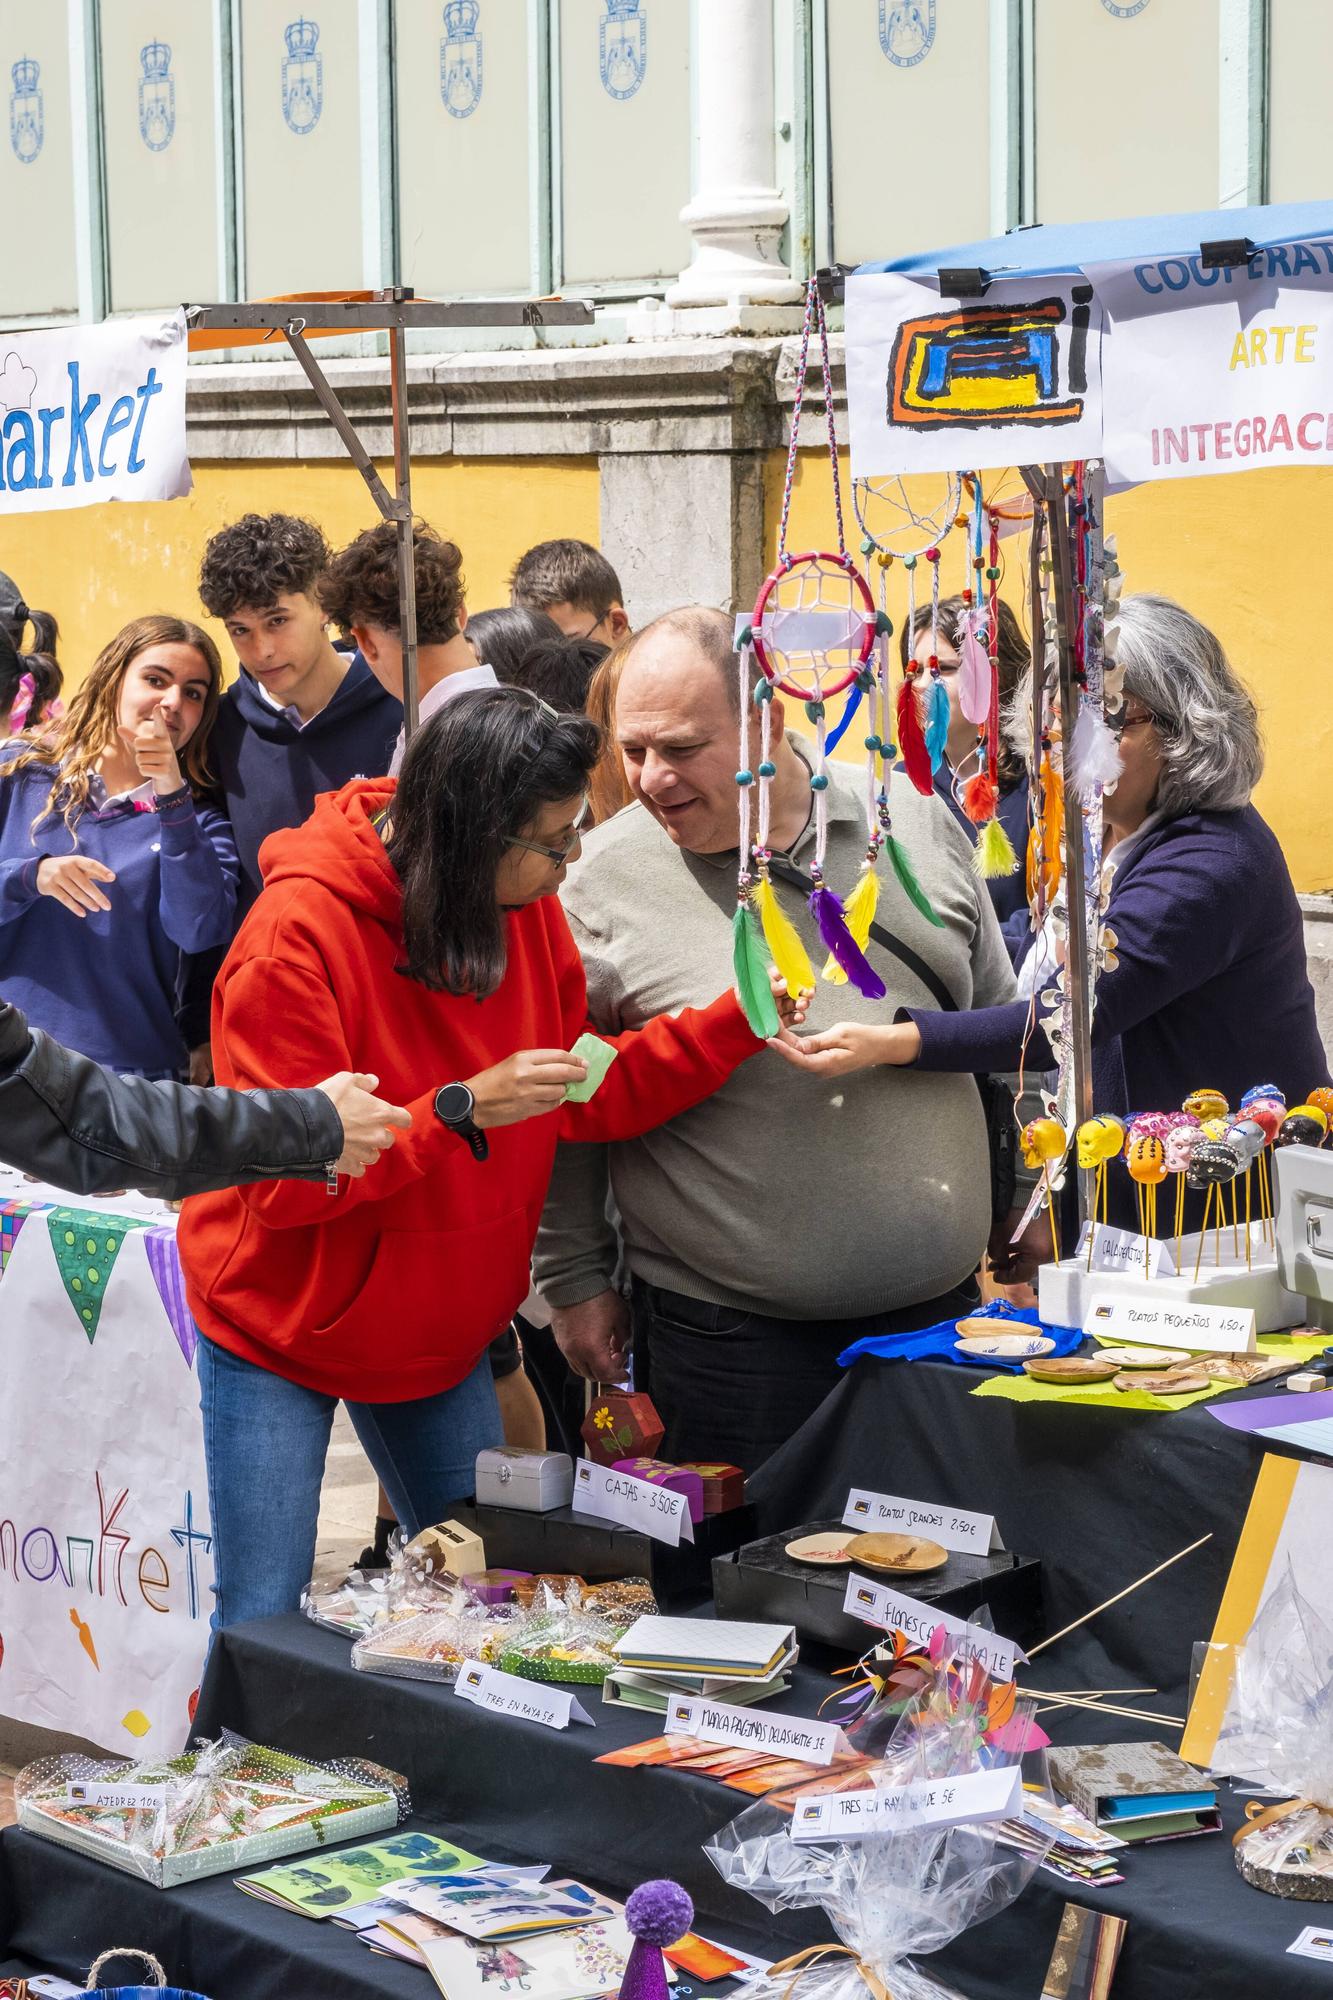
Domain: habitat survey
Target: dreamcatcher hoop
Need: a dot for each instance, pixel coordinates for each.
(921, 528)
(783, 633)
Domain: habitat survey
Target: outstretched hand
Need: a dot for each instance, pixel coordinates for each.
(792, 1007)
(849, 1046)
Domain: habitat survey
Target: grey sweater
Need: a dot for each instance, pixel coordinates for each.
(782, 1194)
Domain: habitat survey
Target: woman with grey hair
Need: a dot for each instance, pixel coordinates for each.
(1210, 987)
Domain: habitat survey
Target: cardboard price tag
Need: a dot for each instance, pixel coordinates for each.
(724, 1722)
(631, 1503)
(510, 1694)
(951, 1527)
(876, 1604)
(1203, 1329)
(122, 1798)
(976, 1799)
(1123, 1250)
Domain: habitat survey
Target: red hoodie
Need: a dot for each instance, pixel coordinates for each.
(392, 1288)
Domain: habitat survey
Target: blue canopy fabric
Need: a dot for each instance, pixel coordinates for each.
(1049, 248)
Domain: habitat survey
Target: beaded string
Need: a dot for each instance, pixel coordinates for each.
(814, 317)
(744, 776)
(993, 648)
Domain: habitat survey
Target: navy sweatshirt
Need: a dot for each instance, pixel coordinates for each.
(1211, 988)
(271, 773)
(1008, 893)
(105, 984)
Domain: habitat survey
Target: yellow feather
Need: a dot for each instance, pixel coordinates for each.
(783, 940)
(860, 914)
(993, 854)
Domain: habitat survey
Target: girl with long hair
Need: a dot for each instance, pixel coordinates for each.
(111, 863)
(29, 680)
(415, 932)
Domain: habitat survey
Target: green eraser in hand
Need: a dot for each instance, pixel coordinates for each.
(599, 1056)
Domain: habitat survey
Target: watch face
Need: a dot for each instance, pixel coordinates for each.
(454, 1103)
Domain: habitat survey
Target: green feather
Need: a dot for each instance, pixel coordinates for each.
(902, 868)
(749, 957)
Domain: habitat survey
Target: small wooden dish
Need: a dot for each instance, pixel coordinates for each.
(1145, 1357)
(1174, 1382)
(827, 1550)
(1004, 1346)
(1070, 1368)
(910, 1555)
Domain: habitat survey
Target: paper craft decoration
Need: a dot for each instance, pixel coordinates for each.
(160, 1247)
(1087, 1949)
(86, 1246)
(599, 1056)
(341, 1881)
(1286, 1527)
(622, 1424)
(13, 1215)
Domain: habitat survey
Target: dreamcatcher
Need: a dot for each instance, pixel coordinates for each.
(812, 634)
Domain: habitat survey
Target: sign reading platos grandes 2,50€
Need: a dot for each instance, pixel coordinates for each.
(90, 413)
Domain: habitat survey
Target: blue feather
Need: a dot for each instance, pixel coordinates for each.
(937, 721)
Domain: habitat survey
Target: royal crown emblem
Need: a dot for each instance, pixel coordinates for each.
(460, 58)
(26, 124)
(623, 47)
(302, 76)
(157, 97)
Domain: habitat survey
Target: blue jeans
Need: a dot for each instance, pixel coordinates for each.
(265, 1442)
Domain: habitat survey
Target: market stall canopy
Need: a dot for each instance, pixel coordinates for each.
(1168, 345)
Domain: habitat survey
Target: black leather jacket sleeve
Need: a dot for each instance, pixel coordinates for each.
(79, 1126)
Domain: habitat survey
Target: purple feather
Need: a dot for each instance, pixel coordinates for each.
(827, 912)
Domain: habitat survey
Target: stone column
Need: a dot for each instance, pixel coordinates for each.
(737, 215)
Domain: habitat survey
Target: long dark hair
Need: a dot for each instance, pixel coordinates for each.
(474, 776)
(500, 638)
(1013, 657)
(40, 661)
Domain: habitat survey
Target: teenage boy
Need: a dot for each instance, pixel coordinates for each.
(302, 718)
(575, 586)
(359, 591)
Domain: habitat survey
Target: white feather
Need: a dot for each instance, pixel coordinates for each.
(1093, 762)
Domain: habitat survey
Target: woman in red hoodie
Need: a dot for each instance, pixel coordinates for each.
(414, 933)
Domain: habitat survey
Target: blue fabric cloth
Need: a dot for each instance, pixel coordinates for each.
(105, 983)
(1211, 987)
(271, 773)
(1070, 246)
(1008, 893)
(936, 1343)
(424, 1452)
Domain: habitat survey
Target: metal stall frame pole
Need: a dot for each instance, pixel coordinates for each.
(395, 312)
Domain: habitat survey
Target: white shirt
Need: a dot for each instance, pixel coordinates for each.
(466, 682)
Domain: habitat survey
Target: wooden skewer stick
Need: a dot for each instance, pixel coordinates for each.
(1050, 1210)
(1203, 1230)
(1235, 1220)
(1248, 1264)
(1180, 1216)
(1073, 1626)
(1103, 1708)
(1087, 1694)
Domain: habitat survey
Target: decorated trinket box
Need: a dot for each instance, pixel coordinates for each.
(622, 1424)
(673, 1478)
(511, 1475)
(724, 1485)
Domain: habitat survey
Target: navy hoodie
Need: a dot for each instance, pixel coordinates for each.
(271, 773)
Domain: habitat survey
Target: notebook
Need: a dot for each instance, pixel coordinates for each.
(1142, 1790)
(705, 1646)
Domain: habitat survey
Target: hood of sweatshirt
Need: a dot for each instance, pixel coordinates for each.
(340, 848)
(359, 690)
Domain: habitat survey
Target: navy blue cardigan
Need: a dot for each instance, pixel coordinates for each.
(1211, 989)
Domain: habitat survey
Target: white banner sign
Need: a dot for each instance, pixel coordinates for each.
(1203, 1329)
(105, 1550)
(510, 1694)
(979, 1797)
(1218, 370)
(91, 413)
(631, 1503)
(724, 1722)
(876, 1604)
(935, 383)
(951, 1527)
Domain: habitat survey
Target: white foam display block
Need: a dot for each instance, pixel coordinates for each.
(1065, 1291)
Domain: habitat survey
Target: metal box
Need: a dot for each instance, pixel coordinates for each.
(511, 1475)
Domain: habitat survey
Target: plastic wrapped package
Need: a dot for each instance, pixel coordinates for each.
(1277, 1732)
(224, 1804)
(432, 1645)
(561, 1639)
(907, 1890)
(367, 1599)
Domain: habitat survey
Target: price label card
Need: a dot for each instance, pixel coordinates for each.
(1122, 1250)
(876, 1604)
(951, 1527)
(510, 1694)
(631, 1503)
(973, 1800)
(121, 1798)
(1203, 1329)
(724, 1722)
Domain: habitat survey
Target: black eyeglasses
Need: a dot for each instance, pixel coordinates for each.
(558, 856)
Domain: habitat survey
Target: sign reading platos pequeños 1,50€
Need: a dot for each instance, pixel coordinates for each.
(91, 413)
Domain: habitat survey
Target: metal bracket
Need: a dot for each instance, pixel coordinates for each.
(963, 282)
(1226, 252)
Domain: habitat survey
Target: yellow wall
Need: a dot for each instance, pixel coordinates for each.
(1246, 553)
(97, 567)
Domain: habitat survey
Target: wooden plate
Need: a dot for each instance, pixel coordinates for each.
(1070, 1368)
(910, 1555)
(828, 1550)
(1004, 1346)
(977, 1329)
(1175, 1382)
(1145, 1357)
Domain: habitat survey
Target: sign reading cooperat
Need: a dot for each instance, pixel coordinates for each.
(91, 413)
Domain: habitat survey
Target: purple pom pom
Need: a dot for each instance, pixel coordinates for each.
(659, 1912)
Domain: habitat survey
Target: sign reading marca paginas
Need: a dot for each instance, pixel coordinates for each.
(91, 413)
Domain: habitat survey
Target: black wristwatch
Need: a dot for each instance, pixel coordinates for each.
(454, 1105)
